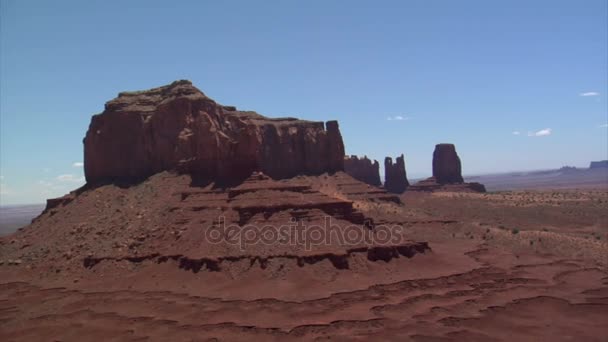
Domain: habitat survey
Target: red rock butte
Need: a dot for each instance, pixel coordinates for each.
(178, 128)
(446, 164)
(363, 169)
(395, 177)
(447, 173)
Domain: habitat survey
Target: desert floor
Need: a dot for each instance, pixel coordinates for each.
(504, 266)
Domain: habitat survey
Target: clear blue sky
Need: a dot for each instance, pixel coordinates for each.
(465, 72)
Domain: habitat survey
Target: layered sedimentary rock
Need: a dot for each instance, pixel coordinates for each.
(395, 178)
(177, 127)
(363, 169)
(446, 164)
(447, 173)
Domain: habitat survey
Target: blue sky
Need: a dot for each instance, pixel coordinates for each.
(465, 72)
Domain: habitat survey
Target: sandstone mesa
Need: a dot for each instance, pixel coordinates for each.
(178, 128)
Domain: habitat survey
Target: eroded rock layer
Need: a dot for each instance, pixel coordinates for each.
(177, 127)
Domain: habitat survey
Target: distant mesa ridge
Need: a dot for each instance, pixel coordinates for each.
(598, 164)
(177, 127)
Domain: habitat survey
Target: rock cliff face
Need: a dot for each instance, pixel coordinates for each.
(363, 169)
(177, 127)
(395, 178)
(446, 164)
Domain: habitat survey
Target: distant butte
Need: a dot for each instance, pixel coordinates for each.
(395, 178)
(446, 164)
(598, 164)
(447, 173)
(363, 170)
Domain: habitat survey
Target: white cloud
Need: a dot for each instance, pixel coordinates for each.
(397, 118)
(78, 164)
(542, 133)
(3, 188)
(603, 126)
(589, 93)
(515, 133)
(54, 187)
(70, 178)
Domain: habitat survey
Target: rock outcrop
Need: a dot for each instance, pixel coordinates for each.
(447, 173)
(177, 127)
(363, 169)
(446, 164)
(395, 178)
(598, 164)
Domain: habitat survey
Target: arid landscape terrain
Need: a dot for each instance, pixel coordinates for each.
(16, 216)
(563, 178)
(200, 222)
